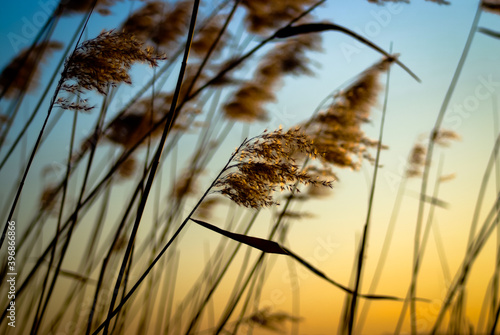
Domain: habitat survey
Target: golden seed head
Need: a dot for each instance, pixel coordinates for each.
(23, 72)
(444, 137)
(289, 57)
(105, 61)
(69, 7)
(336, 132)
(264, 17)
(265, 164)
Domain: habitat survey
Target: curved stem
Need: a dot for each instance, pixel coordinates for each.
(428, 161)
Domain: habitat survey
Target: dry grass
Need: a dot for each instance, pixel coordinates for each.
(103, 249)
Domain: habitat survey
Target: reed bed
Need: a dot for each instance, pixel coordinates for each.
(135, 213)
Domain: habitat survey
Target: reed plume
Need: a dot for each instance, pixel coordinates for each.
(247, 103)
(48, 199)
(263, 16)
(204, 39)
(205, 209)
(446, 177)
(290, 57)
(320, 171)
(416, 161)
(153, 24)
(271, 321)
(23, 72)
(266, 164)
(130, 127)
(143, 22)
(186, 184)
(70, 7)
(337, 132)
(127, 168)
(491, 6)
(260, 168)
(80, 106)
(104, 61)
(295, 215)
(172, 25)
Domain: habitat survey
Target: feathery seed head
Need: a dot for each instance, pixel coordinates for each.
(105, 60)
(48, 199)
(142, 23)
(444, 137)
(185, 185)
(81, 106)
(288, 57)
(263, 16)
(447, 177)
(248, 102)
(129, 128)
(204, 211)
(265, 164)
(204, 39)
(127, 168)
(172, 25)
(271, 321)
(69, 7)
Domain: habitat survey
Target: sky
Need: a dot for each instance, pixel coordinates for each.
(429, 38)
